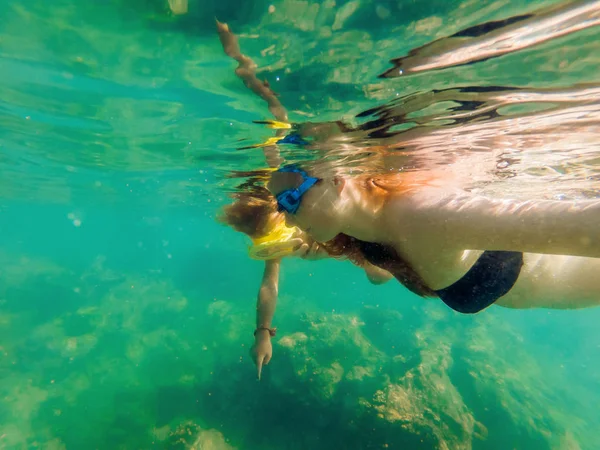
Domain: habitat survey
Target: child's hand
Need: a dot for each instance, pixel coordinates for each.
(262, 350)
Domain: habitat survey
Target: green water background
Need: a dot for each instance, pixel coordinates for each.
(126, 312)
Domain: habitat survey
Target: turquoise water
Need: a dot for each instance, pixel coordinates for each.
(127, 311)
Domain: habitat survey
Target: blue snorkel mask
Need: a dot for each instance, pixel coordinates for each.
(289, 200)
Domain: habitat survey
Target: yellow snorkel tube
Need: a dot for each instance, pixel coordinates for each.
(276, 244)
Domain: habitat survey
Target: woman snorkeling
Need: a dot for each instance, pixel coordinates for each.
(437, 239)
(468, 250)
(254, 213)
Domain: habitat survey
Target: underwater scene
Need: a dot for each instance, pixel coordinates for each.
(205, 242)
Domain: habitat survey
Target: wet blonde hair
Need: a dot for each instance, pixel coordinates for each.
(253, 212)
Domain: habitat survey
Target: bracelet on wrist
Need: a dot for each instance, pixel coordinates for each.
(271, 331)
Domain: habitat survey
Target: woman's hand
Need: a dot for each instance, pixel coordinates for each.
(377, 275)
(311, 250)
(262, 350)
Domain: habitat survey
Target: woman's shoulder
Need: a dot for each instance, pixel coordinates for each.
(417, 182)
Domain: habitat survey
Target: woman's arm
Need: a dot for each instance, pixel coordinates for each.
(555, 281)
(474, 222)
(265, 310)
(267, 294)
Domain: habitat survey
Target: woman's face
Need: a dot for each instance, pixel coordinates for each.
(320, 206)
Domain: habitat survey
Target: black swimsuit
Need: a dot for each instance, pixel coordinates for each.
(492, 276)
